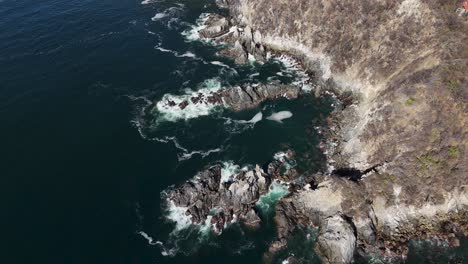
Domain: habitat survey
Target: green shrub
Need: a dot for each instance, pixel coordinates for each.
(453, 152)
(454, 86)
(410, 101)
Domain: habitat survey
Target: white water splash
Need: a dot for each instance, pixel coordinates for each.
(192, 110)
(228, 171)
(205, 229)
(293, 68)
(177, 215)
(168, 12)
(193, 34)
(280, 156)
(280, 116)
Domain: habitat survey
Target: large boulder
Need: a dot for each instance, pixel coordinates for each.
(336, 242)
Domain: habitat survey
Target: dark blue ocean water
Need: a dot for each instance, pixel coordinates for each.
(81, 171)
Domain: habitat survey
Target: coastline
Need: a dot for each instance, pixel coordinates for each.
(374, 193)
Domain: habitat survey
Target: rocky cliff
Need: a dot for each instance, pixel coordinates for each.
(399, 147)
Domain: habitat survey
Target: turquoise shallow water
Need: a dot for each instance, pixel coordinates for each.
(82, 171)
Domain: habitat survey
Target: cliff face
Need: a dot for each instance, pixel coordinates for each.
(405, 63)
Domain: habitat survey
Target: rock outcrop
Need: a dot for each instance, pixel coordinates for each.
(216, 26)
(243, 97)
(249, 96)
(224, 197)
(336, 241)
(223, 194)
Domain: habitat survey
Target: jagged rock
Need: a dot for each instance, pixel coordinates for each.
(336, 241)
(235, 51)
(224, 199)
(215, 26)
(241, 97)
(241, 41)
(251, 219)
(249, 96)
(222, 3)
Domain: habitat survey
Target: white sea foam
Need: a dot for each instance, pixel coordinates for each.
(137, 120)
(149, 238)
(167, 13)
(159, 16)
(228, 171)
(192, 110)
(306, 87)
(165, 50)
(224, 67)
(238, 126)
(257, 118)
(187, 54)
(193, 34)
(177, 215)
(186, 154)
(218, 63)
(251, 76)
(284, 157)
(251, 58)
(293, 68)
(276, 191)
(146, 2)
(203, 154)
(280, 156)
(174, 140)
(280, 116)
(206, 227)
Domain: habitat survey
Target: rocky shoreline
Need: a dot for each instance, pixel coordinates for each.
(396, 145)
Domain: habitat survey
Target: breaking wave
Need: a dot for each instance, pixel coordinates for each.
(192, 34)
(292, 68)
(168, 12)
(229, 170)
(169, 113)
